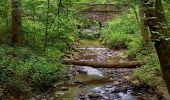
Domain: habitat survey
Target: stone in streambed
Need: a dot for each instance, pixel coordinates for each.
(59, 93)
(116, 83)
(64, 88)
(94, 95)
(82, 96)
(91, 71)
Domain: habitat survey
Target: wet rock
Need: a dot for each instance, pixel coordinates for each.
(81, 85)
(58, 84)
(135, 82)
(50, 98)
(151, 91)
(32, 99)
(120, 94)
(81, 71)
(64, 88)
(116, 83)
(117, 90)
(127, 78)
(94, 95)
(92, 71)
(109, 86)
(111, 79)
(58, 94)
(128, 97)
(69, 76)
(142, 98)
(38, 97)
(82, 96)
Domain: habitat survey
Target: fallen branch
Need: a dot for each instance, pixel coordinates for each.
(132, 64)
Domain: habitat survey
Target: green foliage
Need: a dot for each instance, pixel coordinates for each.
(134, 47)
(117, 41)
(96, 1)
(22, 70)
(123, 32)
(167, 11)
(149, 72)
(35, 67)
(45, 73)
(61, 27)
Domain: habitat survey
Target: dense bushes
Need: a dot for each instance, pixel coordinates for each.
(134, 47)
(22, 70)
(117, 40)
(123, 32)
(37, 65)
(148, 73)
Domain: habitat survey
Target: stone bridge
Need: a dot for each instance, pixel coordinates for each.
(102, 12)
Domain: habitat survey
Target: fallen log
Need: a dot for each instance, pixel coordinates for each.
(132, 64)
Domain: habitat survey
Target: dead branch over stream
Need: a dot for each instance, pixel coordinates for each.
(132, 64)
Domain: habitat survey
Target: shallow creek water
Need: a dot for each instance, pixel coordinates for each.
(87, 83)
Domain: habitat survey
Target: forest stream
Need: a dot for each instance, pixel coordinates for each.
(87, 83)
(84, 50)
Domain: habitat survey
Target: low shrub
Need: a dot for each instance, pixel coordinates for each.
(149, 72)
(117, 41)
(134, 47)
(123, 33)
(22, 70)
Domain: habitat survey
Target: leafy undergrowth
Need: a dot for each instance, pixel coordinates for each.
(23, 70)
(149, 72)
(124, 33)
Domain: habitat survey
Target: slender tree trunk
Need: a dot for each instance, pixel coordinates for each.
(33, 18)
(16, 21)
(156, 21)
(7, 15)
(58, 14)
(47, 23)
(144, 28)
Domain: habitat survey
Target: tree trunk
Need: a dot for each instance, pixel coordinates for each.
(132, 64)
(16, 21)
(144, 28)
(157, 24)
(47, 24)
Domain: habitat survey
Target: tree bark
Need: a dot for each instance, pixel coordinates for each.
(143, 27)
(156, 21)
(130, 65)
(16, 21)
(47, 24)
